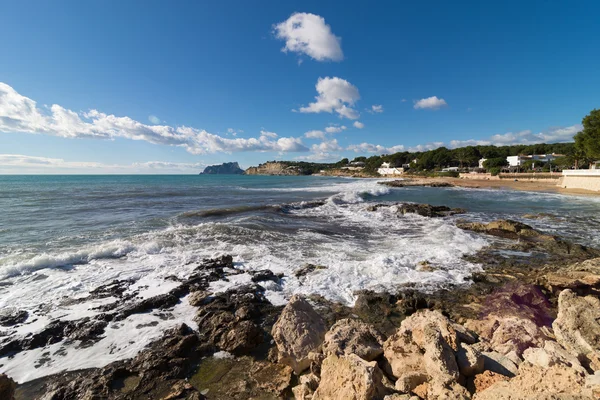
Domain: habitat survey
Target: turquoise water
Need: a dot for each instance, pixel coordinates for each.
(63, 236)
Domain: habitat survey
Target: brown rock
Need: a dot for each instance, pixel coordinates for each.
(499, 363)
(577, 327)
(533, 382)
(552, 354)
(486, 379)
(350, 377)
(7, 387)
(298, 331)
(351, 336)
(470, 361)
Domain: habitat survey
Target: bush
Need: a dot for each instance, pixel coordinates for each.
(494, 170)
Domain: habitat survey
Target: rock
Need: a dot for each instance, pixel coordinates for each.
(298, 332)
(265, 275)
(552, 354)
(470, 361)
(508, 229)
(398, 396)
(424, 210)
(7, 387)
(409, 381)
(198, 298)
(499, 363)
(423, 345)
(10, 316)
(454, 391)
(351, 336)
(577, 326)
(486, 379)
(350, 377)
(516, 317)
(273, 378)
(307, 269)
(533, 382)
(242, 338)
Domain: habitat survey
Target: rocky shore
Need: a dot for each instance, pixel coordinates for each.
(526, 327)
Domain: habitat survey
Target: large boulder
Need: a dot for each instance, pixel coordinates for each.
(470, 361)
(350, 377)
(552, 354)
(298, 332)
(423, 349)
(534, 382)
(577, 327)
(350, 336)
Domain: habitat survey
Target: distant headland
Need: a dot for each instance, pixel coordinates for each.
(230, 168)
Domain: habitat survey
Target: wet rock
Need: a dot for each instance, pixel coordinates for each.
(470, 361)
(424, 210)
(533, 382)
(161, 302)
(157, 372)
(273, 378)
(351, 336)
(418, 182)
(7, 387)
(577, 327)
(233, 321)
(196, 299)
(298, 332)
(307, 269)
(508, 229)
(265, 275)
(350, 377)
(10, 316)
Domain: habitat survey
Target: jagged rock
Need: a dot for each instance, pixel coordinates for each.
(351, 336)
(408, 381)
(533, 382)
(499, 363)
(424, 210)
(516, 317)
(198, 298)
(7, 387)
(273, 378)
(10, 316)
(265, 275)
(508, 229)
(350, 377)
(423, 345)
(298, 332)
(159, 371)
(486, 379)
(552, 354)
(470, 361)
(453, 391)
(577, 327)
(582, 278)
(307, 269)
(398, 396)
(307, 384)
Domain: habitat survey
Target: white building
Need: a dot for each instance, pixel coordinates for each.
(517, 161)
(386, 169)
(481, 161)
(450, 169)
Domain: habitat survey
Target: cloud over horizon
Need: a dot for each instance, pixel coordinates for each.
(21, 114)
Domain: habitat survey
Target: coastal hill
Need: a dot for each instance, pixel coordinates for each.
(231, 168)
(287, 168)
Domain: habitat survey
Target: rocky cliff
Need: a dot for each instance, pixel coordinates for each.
(274, 168)
(231, 168)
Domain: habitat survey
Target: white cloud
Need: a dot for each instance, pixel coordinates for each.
(308, 34)
(358, 124)
(21, 114)
(431, 103)
(327, 146)
(335, 129)
(315, 135)
(154, 119)
(403, 100)
(374, 148)
(17, 163)
(334, 95)
(377, 108)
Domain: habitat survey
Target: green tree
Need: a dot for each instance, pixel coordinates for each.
(587, 142)
(498, 162)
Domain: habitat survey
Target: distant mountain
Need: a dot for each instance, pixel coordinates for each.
(230, 168)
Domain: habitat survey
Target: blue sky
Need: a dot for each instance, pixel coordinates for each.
(163, 87)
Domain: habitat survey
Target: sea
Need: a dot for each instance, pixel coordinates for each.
(63, 236)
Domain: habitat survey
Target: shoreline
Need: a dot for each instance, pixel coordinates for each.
(501, 184)
(247, 348)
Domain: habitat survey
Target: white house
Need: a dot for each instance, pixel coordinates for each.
(386, 169)
(517, 161)
(450, 169)
(481, 161)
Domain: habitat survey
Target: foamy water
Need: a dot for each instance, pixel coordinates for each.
(72, 239)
